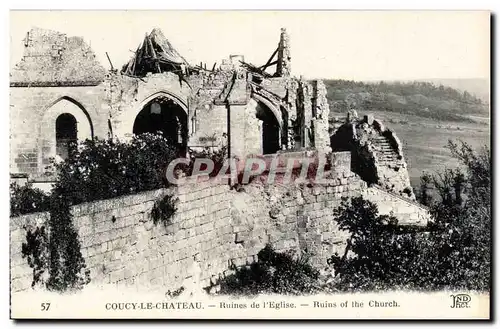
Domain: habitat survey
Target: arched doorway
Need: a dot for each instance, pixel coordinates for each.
(164, 116)
(66, 135)
(270, 129)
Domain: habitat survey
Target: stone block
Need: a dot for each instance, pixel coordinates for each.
(240, 228)
(241, 237)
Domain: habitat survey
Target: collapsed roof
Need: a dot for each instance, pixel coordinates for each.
(155, 54)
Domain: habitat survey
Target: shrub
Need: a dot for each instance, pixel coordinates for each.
(424, 195)
(164, 209)
(408, 191)
(454, 254)
(103, 169)
(463, 217)
(26, 199)
(274, 272)
(384, 256)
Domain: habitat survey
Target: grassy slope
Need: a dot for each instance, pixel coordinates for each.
(424, 123)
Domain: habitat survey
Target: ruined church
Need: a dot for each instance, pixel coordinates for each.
(61, 94)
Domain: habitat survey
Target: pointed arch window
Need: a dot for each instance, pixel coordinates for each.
(66, 135)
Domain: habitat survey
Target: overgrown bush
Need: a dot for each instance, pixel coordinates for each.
(274, 272)
(103, 169)
(455, 252)
(27, 199)
(380, 255)
(463, 217)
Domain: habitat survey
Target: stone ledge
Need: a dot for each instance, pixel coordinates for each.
(116, 203)
(34, 219)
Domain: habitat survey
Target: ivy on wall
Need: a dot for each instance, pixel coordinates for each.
(35, 250)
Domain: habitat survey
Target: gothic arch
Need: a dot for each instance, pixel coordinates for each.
(78, 104)
(272, 107)
(168, 94)
(47, 133)
(163, 115)
(128, 117)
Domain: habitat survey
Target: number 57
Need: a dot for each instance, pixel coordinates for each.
(45, 306)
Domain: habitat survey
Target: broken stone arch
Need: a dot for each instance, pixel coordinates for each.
(272, 124)
(275, 109)
(59, 119)
(161, 112)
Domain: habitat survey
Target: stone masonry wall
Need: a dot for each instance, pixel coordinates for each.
(321, 114)
(128, 96)
(53, 58)
(28, 117)
(214, 227)
(407, 211)
(377, 154)
(21, 274)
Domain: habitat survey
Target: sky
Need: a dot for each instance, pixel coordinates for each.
(355, 45)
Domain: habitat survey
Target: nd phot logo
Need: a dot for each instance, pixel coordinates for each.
(460, 301)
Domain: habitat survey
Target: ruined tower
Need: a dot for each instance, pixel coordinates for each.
(284, 59)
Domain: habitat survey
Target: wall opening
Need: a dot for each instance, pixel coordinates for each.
(163, 116)
(270, 130)
(285, 130)
(65, 122)
(66, 135)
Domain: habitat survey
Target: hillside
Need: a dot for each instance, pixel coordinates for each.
(424, 99)
(423, 115)
(478, 87)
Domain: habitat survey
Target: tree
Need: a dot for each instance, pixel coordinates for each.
(424, 195)
(454, 253)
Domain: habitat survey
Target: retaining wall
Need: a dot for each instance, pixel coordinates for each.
(213, 228)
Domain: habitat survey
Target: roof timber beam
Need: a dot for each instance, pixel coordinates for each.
(268, 63)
